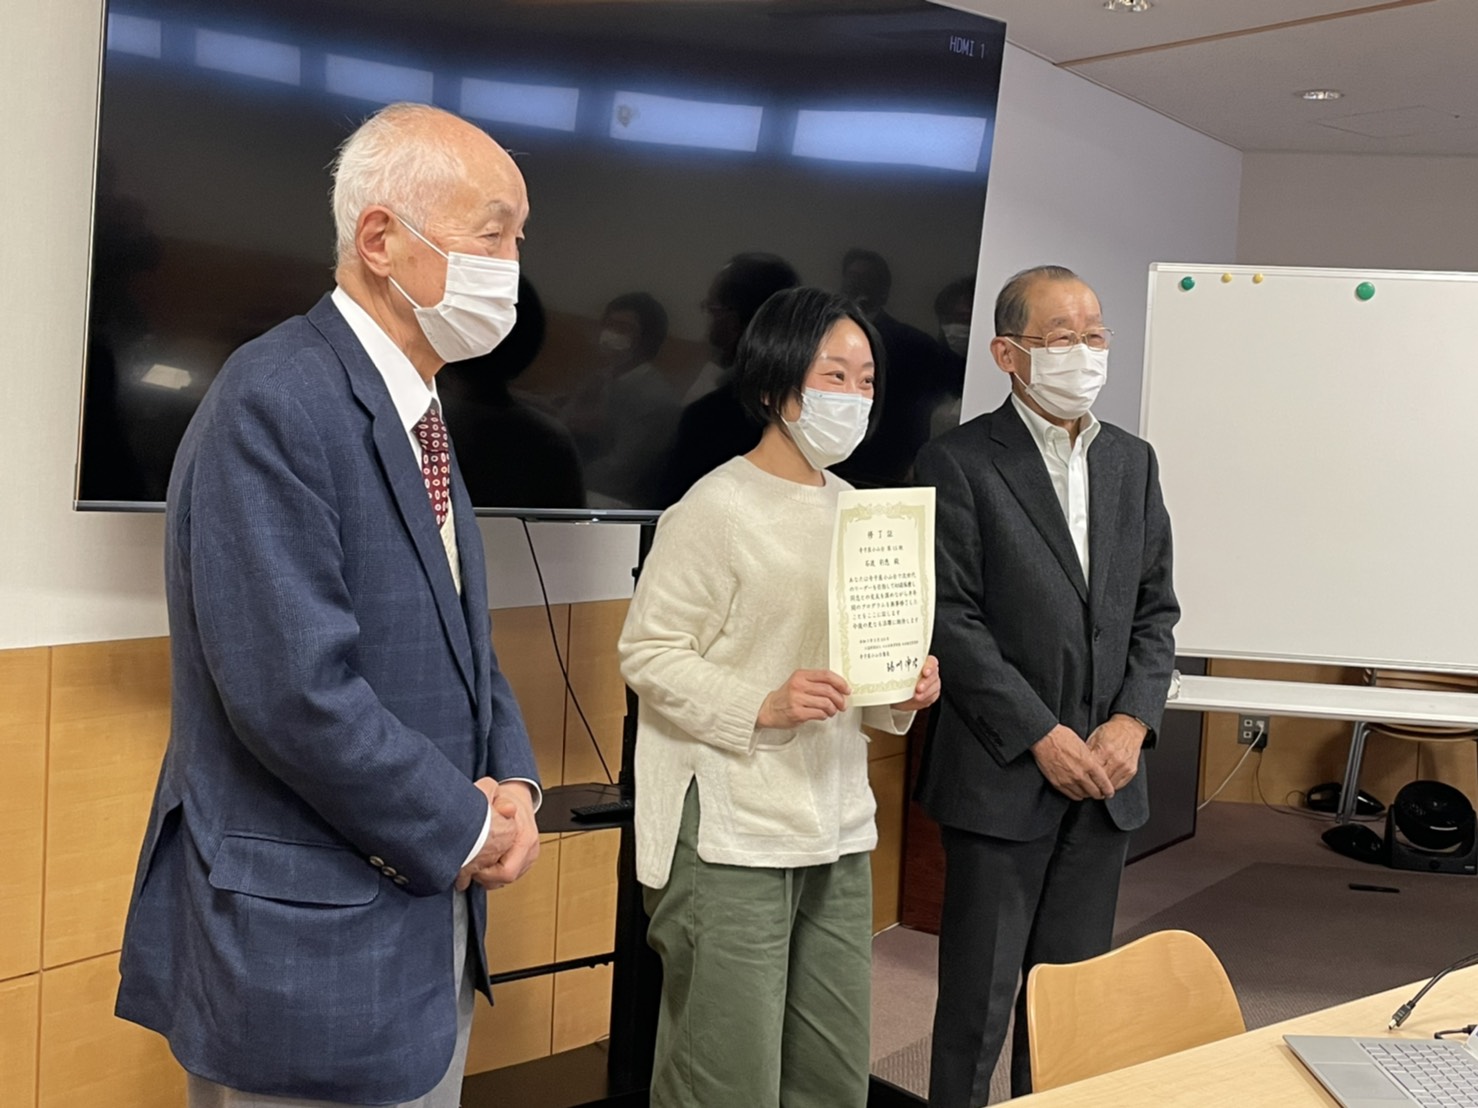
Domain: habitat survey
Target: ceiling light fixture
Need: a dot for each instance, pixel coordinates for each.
(1127, 5)
(1321, 94)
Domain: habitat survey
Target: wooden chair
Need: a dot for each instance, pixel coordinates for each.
(1160, 994)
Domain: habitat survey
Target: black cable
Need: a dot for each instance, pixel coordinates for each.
(1405, 1010)
(559, 657)
(1468, 1030)
(1286, 809)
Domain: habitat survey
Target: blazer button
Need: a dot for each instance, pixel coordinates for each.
(402, 881)
(1097, 634)
(376, 862)
(388, 871)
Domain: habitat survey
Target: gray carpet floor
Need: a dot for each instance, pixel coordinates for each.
(1268, 897)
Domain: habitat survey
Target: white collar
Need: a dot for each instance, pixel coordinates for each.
(410, 394)
(1042, 431)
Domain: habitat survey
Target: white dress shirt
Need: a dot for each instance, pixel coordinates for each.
(1067, 465)
(411, 396)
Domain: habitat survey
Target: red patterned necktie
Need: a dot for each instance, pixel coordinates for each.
(436, 461)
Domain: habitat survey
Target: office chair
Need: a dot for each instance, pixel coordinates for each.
(1160, 994)
(1414, 732)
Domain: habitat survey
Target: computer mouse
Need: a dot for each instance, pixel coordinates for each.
(1355, 840)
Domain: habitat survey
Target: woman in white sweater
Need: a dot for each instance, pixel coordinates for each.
(754, 816)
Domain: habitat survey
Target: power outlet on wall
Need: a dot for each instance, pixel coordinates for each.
(1253, 731)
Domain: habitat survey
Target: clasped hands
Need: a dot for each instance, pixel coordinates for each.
(815, 694)
(1092, 770)
(513, 837)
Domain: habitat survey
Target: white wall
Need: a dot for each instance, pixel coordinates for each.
(1084, 178)
(1358, 210)
(1080, 176)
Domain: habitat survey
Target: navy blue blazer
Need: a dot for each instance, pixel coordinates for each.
(333, 700)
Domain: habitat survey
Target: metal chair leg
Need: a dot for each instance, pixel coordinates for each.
(1349, 792)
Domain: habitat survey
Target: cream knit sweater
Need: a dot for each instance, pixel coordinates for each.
(731, 602)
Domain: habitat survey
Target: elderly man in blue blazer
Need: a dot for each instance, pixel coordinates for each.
(347, 770)
(1056, 616)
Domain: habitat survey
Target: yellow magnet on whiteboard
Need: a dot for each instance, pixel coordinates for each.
(1226, 278)
(1257, 278)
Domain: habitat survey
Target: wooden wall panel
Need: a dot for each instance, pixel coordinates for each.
(521, 916)
(885, 744)
(1306, 752)
(20, 1011)
(89, 1056)
(25, 677)
(582, 1007)
(587, 894)
(887, 778)
(516, 1028)
(526, 656)
(109, 727)
(595, 675)
(78, 807)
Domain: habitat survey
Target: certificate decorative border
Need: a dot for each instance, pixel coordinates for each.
(918, 514)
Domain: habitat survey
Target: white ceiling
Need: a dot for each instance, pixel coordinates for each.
(1232, 68)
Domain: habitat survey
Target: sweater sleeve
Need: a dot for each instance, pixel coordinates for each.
(885, 717)
(682, 601)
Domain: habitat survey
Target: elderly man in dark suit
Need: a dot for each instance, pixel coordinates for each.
(1055, 615)
(347, 770)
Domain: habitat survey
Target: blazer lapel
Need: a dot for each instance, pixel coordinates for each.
(398, 461)
(1021, 467)
(474, 600)
(1105, 475)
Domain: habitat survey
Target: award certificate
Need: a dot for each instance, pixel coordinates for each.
(881, 591)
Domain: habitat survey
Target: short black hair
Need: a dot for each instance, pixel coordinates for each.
(872, 258)
(748, 280)
(650, 314)
(1011, 308)
(962, 288)
(779, 347)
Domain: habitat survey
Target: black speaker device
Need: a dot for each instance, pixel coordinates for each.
(1430, 827)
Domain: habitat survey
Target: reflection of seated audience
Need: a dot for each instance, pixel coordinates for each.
(714, 426)
(914, 373)
(953, 308)
(511, 455)
(625, 415)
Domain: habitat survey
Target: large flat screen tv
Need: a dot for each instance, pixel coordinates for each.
(684, 160)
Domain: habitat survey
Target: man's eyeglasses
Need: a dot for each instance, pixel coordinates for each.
(1060, 342)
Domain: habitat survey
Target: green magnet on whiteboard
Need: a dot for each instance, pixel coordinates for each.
(1188, 283)
(1364, 290)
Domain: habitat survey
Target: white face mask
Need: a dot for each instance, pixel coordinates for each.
(956, 337)
(476, 311)
(1066, 384)
(613, 342)
(830, 427)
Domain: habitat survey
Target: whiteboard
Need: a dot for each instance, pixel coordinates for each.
(1319, 459)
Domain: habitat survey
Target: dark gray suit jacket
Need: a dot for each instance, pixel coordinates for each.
(1024, 643)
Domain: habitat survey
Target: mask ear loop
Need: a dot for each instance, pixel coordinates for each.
(411, 228)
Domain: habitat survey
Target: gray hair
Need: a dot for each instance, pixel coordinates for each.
(1012, 311)
(396, 159)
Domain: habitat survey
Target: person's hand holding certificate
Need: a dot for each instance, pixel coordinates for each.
(881, 592)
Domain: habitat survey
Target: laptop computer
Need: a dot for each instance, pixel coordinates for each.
(1387, 1073)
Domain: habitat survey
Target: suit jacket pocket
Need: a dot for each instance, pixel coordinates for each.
(303, 873)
